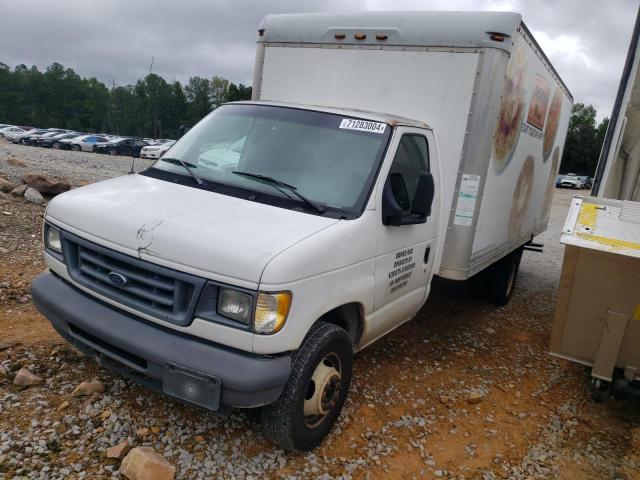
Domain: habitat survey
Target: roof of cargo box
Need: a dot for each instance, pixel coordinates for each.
(420, 28)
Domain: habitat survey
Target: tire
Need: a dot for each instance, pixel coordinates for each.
(501, 278)
(75, 148)
(56, 146)
(112, 152)
(326, 350)
(22, 141)
(600, 390)
(619, 388)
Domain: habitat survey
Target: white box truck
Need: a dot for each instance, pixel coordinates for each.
(281, 235)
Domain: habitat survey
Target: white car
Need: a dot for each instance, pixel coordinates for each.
(9, 131)
(84, 143)
(154, 152)
(570, 180)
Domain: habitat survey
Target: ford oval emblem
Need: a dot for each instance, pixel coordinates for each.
(117, 278)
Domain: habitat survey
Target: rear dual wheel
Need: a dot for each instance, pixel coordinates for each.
(497, 282)
(315, 392)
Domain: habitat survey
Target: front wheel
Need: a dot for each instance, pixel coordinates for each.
(315, 392)
(75, 148)
(112, 152)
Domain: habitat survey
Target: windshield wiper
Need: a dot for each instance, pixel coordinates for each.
(275, 182)
(187, 166)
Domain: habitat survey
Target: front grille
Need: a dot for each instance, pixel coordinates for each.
(158, 291)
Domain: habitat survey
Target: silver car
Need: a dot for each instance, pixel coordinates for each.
(84, 143)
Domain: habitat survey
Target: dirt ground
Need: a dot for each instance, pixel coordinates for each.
(411, 411)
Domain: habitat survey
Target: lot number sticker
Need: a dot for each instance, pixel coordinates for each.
(467, 197)
(362, 125)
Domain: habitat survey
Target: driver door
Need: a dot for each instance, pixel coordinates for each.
(404, 253)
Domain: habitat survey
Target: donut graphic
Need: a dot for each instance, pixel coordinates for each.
(511, 113)
(551, 183)
(551, 126)
(521, 196)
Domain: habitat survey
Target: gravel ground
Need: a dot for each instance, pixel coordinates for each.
(466, 390)
(76, 166)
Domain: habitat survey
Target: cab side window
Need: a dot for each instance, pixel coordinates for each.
(412, 158)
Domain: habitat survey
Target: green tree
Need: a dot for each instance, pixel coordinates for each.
(584, 141)
(197, 91)
(238, 92)
(219, 91)
(59, 97)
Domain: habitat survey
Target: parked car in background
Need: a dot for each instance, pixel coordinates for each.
(569, 180)
(156, 151)
(85, 143)
(6, 131)
(121, 146)
(586, 182)
(20, 137)
(48, 141)
(32, 139)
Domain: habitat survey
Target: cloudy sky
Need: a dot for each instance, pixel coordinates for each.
(586, 40)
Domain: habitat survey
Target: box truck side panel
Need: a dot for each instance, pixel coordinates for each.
(528, 140)
(435, 87)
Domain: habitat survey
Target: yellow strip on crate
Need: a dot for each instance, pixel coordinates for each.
(636, 315)
(610, 242)
(588, 215)
(587, 220)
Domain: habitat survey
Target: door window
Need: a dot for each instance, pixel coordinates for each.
(412, 158)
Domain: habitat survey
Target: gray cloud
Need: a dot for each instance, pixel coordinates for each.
(585, 40)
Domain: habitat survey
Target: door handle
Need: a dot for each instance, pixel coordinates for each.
(427, 252)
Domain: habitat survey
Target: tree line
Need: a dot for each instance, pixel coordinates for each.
(584, 141)
(59, 97)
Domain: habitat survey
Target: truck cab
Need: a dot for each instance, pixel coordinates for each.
(249, 253)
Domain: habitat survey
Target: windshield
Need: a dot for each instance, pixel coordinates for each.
(330, 159)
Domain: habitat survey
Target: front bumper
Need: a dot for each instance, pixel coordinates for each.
(140, 351)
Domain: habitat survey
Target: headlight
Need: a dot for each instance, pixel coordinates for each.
(235, 305)
(271, 312)
(52, 238)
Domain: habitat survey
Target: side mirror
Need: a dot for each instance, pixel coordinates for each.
(425, 191)
(394, 214)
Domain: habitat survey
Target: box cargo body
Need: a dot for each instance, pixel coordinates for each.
(480, 80)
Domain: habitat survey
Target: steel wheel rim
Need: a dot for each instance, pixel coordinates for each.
(323, 390)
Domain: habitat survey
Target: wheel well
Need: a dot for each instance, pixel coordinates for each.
(350, 317)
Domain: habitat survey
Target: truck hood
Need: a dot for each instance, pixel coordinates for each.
(215, 236)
